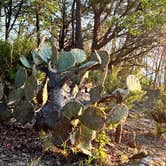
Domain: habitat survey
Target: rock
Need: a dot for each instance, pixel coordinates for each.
(151, 161)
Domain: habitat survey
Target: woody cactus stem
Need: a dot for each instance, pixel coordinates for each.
(50, 113)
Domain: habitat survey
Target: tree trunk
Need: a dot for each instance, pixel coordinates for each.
(72, 24)
(37, 27)
(62, 30)
(95, 30)
(78, 34)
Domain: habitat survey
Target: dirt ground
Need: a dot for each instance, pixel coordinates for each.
(23, 147)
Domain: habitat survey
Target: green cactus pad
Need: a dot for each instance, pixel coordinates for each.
(79, 55)
(5, 113)
(61, 132)
(96, 93)
(16, 95)
(24, 112)
(118, 114)
(65, 61)
(84, 139)
(21, 77)
(104, 58)
(93, 118)
(36, 58)
(133, 83)
(71, 109)
(25, 62)
(87, 133)
(45, 52)
(30, 88)
(1, 91)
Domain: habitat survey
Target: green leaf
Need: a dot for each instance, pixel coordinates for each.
(25, 62)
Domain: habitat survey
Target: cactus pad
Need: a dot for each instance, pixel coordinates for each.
(133, 83)
(25, 62)
(30, 88)
(71, 109)
(36, 58)
(105, 59)
(61, 132)
(21, 77)
(118, 114)
(93, 118)
(45, 52)
(15, 95)
(24, 112)
(84, 139)
(1, 91)
(96, 93)
(79, 55)
(65, 61)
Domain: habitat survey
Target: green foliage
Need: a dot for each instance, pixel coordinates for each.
(159, 113)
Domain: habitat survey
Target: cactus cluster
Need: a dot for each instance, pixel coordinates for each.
(43, 91)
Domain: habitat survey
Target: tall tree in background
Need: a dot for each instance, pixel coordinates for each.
(11, 10)
(78, 33)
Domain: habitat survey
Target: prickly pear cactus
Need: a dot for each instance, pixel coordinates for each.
(16, 95)
(79, 55)
(96, 93)
(1, 90)
(117, 115)
(61, 132)
(25, 62)
(30, 88)
(45, 52)
(36, 58)
(133, 83)
(24, 112)
(84, 138)
(21, 76)
(104, 58)
(93, 118)
(66, 60)
(71, 109)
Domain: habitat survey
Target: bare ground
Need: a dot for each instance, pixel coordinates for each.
(23, 147)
